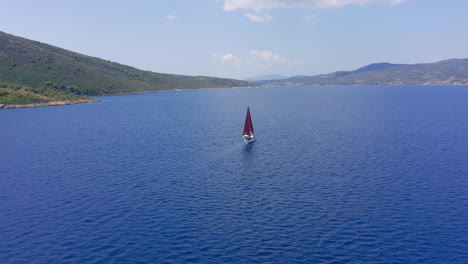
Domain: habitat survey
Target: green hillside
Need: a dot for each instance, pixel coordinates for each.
(448, 72)
(17, 94)
(31, 63)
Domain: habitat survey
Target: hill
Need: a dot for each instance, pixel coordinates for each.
(447, 72)
(37, 65)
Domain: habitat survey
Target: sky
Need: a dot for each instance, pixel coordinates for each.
(245, 38)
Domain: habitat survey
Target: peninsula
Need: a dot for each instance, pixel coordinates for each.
(37, 74)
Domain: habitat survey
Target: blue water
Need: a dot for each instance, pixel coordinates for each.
(337, 175)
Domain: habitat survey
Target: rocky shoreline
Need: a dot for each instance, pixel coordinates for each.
(52, 103)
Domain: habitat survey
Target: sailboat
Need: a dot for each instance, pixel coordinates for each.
(248, 135)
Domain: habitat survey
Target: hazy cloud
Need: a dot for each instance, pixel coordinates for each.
(310, 18)
(272, 58)
(258, 5)
(397, 2)
(259, 58)
(261, 18)
(170, 17)
(268, 56)
(227, 58)
(297, 63)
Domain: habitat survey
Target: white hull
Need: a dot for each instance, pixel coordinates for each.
(247, 141)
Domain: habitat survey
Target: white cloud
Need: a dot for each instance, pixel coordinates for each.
(258, 5)
(170, 17)
(261, 18)
(271, 58)
(268, 56)
(261, 58)
(227, 58)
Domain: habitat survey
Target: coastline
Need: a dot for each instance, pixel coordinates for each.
(214, 88)
(52, 103)
(92, 100)
(182, 90)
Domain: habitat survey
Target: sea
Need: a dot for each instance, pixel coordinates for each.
(337, 174)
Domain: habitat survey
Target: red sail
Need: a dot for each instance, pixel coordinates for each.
(248, 127)
(251, 125)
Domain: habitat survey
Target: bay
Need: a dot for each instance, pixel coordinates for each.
(338, 174)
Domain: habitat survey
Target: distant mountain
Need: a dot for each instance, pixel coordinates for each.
(447, 72)
(266, 77)
(375, 67)
(38, 65)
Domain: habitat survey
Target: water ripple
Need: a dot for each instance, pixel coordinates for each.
(358, 176)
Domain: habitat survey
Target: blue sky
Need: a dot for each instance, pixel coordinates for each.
(243, 38)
